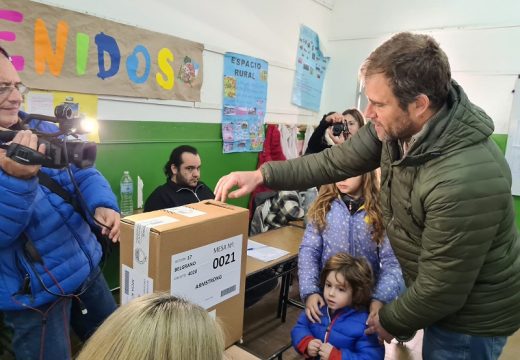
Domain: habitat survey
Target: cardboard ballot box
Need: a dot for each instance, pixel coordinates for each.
(197, 251)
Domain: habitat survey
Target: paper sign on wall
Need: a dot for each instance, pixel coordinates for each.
(245, 98)
(311, 66)
(59, 49)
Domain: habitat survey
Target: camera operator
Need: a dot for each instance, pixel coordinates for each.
(49, 256)
(334, 128)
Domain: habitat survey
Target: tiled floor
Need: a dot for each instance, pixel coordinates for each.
(264, 334)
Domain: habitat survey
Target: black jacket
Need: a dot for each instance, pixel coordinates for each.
(170, 195)
(317, 142)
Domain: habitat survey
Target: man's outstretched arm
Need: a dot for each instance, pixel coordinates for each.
(246, 181)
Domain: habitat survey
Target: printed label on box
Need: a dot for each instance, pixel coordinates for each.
(134, 284)
(142, 241)
(209, 274)
(185, 211)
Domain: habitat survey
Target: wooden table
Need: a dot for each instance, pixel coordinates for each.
(287, 238)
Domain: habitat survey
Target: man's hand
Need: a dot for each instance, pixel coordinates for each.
(375, 306)
(246, 181)
(313, 347)
(312, 307)
(325, 350)
(374, 326)
(13, 168)
(110, 218)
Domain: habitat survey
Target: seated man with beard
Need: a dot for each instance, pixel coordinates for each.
(183, 185)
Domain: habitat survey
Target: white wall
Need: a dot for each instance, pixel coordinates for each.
(267, 29)
(480, 37)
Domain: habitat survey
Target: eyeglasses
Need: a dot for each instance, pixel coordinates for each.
(4, 52)
(8, 89)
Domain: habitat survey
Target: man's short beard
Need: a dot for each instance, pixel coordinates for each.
(181, 181)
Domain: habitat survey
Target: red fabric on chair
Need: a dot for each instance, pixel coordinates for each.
(271, 151)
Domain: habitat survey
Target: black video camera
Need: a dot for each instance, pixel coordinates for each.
(339, 128)
(59, 151)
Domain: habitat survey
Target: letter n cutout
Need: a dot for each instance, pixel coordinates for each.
(43, 48)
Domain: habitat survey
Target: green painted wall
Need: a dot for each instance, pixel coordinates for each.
(144, 147)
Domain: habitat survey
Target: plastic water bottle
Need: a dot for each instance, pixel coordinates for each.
(127, 194)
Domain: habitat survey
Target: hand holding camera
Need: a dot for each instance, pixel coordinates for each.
(338, 128)
(16, 168)
(59, 150)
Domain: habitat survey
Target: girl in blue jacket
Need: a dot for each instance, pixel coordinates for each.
(346, 217)
(347, 284)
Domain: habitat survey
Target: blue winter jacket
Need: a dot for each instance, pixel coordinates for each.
(69, 250)
(345, 330)
(351, 234)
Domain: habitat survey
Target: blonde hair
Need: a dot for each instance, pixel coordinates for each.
(321, 206)
(156, 326)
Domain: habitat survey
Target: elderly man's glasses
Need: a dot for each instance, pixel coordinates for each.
(6, 89)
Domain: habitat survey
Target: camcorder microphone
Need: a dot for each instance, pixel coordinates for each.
(59, 151)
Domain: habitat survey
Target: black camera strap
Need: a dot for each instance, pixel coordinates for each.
(56, 188)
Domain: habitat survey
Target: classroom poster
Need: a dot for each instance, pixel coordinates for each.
(244, 103)
(311, 66)
(57, 49)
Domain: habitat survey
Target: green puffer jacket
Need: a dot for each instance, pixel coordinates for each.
(449, 215)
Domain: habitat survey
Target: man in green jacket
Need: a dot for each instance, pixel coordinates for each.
(446, 198)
